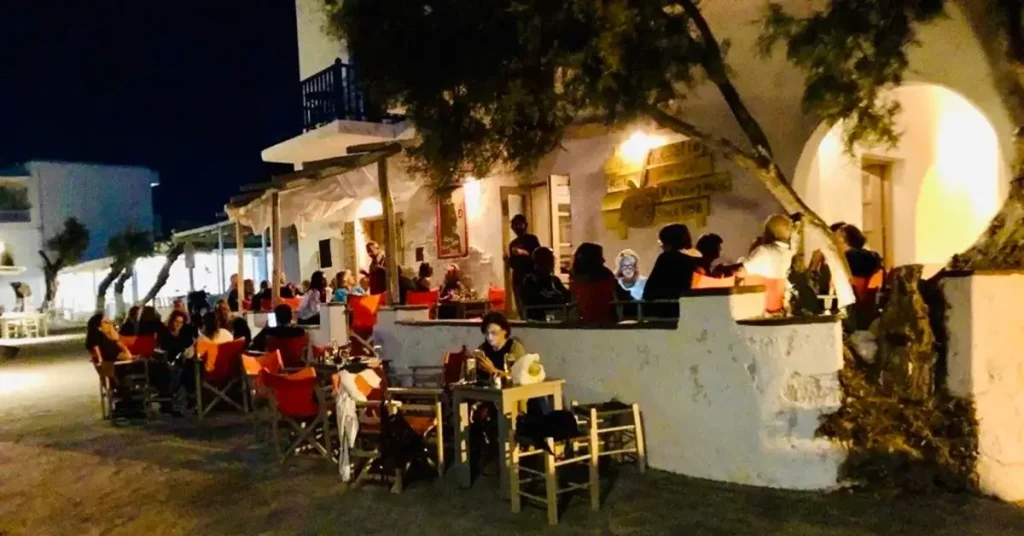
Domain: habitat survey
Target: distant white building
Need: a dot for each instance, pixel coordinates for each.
(38, 196)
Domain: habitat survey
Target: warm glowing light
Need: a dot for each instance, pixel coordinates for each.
(13, 382)
(369, 208)
(635, 149)
(472, 189)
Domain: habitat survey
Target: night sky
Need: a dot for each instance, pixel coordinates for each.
(192, 89)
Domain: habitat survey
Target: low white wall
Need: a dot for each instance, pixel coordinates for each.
(727, 401)
(986, 335)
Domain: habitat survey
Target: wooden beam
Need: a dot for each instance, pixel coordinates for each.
(257, 187)
(377, 146)
(240, 253)
(275, 244)
(390, 230)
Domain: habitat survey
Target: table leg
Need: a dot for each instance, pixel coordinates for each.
(5, 329)
(506, 435)
(463, 475)
(558, 398)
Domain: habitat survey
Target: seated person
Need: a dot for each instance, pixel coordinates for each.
(104, 346)
(176, 339)
(771, 259)
(862, 261)
(451, 291)
(627, 272)
(283, 330)
(130, 325)
(149, 322)
(543, 288)
(233, 323)
(212, 330)
(592, 285)
(309, 308)
(344, 284)
(363, 288)
(423, 281)
(672, 274)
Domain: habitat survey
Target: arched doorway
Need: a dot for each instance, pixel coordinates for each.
(922, 201)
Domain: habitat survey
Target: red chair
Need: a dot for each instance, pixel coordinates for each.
(865, 290)
(496, 299)
(139, 345)
(444, 376)
(775, 292)
(221, 371)
(293, 349)
(259, 395)
(705, 281)
(363, 313)
(428, 298)
(594, 300)
(294, 303)
(297, 400)
(266, 306)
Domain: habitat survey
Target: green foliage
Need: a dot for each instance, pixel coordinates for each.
(498, 81)
(851, 52)
(70, 244)
(128, 246)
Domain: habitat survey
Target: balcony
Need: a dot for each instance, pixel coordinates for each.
(333, 94)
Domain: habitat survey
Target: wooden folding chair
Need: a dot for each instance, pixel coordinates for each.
(293, 349)
(105, 372)
(220, 371)
(259, 394)
(363, 314)
(618, 429)
(422, 411)
(558, 454)
(298, 401)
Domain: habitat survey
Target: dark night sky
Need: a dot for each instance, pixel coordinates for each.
(192, 89)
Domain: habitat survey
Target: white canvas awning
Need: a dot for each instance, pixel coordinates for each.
(321, 190)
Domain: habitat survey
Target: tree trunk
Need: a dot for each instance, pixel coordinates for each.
(164, 274)
(50, 271)
(101, 290)
(119, 284)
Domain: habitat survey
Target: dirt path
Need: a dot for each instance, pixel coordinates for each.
(64, 471)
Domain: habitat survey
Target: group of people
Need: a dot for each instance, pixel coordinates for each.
(541, 295)
(176, 341)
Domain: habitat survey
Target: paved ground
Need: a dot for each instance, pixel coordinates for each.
(64, 471)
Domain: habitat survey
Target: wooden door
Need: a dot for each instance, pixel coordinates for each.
(561, 224)
(876, 207)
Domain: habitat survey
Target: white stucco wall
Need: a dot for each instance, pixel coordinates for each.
(985, 337)
(720, 400)
(317, 50)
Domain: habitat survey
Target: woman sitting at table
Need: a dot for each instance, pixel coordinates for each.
(176, 339)
(493, 358)
(130, 325)
(212, 331)
(592, 285)
(309, 308)
(450, 292)
(344, 284)
(105, 347)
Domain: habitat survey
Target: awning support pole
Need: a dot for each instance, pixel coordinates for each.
(390, 230)
(275, 244)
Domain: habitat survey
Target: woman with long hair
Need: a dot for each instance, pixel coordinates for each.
(309, 308)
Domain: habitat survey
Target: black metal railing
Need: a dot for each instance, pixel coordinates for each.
(334, 93)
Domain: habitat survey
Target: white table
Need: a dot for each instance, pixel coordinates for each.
(16, 319)
(507, 401)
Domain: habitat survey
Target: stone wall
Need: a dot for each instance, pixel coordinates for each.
(986, 337)
(722, 398)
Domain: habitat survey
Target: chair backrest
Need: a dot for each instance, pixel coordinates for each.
(451, 369)
(221, 361)
(294, 303)
(254, 364)
(774, 292)
(293, 349)
(594, 300)
(418, 297)
(140, 345)
(363, 311)
(705, 281)
(295, 393)
(266, 305)
(496, 299)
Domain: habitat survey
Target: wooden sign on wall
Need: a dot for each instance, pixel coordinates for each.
(348, 246)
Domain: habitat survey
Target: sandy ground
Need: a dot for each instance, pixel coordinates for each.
(64, 471)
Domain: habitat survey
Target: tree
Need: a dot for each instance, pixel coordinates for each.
(124, 248)
(502, 80)
(173, 252)
(66, 248)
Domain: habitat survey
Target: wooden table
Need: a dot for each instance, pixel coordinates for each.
(17, 319)
(507, 401)
(461, 309)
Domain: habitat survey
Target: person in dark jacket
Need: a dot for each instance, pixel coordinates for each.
(543, 291)
(672, 274)
(284, 329)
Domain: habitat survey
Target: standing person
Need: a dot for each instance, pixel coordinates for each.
(249, 288)
(309, 308)
(233, 293)
(520, 257)
(377, 271)
(672, 273)
(772, 259)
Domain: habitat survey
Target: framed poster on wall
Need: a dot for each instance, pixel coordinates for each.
(452, 230)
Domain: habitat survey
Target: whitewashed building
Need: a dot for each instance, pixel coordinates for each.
(38, 196)
(747, 413)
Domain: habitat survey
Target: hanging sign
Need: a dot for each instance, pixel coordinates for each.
(452, 230)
